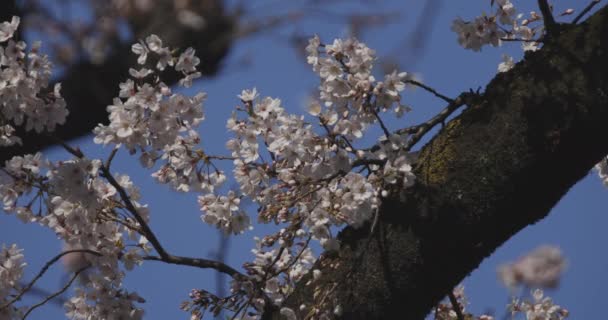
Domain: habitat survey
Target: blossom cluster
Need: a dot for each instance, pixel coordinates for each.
(304, 179)
(504, 24)
(540, 268)
(85, 213)
(306, 176)
(540, 307)
(602, 170)
(24, 95)
(12, 265)
(82, 206)
(146, 115)
(445, 310)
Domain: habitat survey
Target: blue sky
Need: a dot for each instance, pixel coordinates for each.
(576, 224)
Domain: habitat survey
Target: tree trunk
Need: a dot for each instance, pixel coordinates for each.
(498, 167)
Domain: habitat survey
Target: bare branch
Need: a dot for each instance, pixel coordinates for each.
(199, 263)
(43, 271)
(429, 89)
(60, 291)
(584, 12)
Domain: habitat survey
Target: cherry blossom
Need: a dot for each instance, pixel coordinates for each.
(540, 268)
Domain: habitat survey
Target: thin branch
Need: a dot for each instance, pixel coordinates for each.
(455, 305)
(521, 40)
(105, 172)
(43, 271)
(111, 157)
(382, 125)
(145, 228)
(584, 12)
(62, 290)
(420, 130)
(429, 89)
(297, 257)
(548, 19)
(199, 263)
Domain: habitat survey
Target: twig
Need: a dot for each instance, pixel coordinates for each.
(429, 89)
(382, 125)
(111, 157)
(147, 232)
(297, 257)
(199, 263)
(455, 305)
(39, 292)
(62, 290)
(44, 270)
(584, 12)
(548, 19)
(421, 130)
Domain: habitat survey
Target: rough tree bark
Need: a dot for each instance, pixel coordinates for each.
(498, 167)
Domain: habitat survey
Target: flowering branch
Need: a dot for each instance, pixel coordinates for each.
(145, 229)
(105, 172)
(147, 232)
